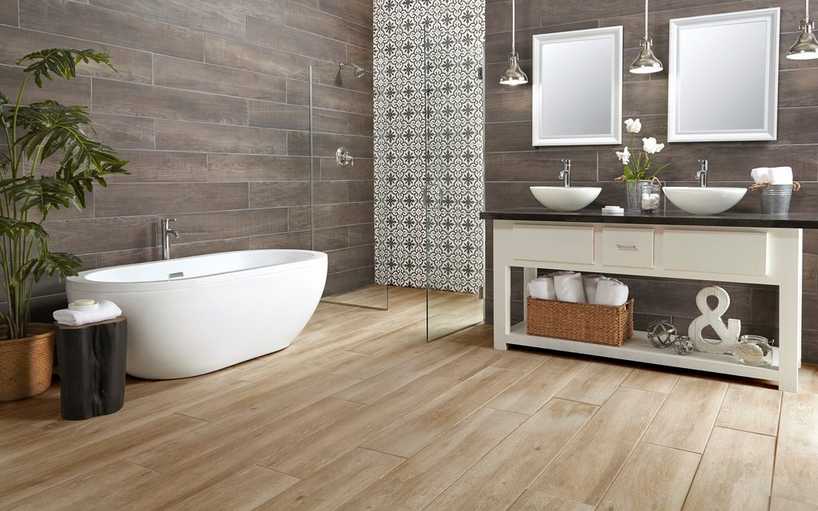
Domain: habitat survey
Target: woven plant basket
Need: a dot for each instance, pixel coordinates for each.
(26, 364)
(598, 324)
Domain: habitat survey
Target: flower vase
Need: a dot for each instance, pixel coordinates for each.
(633, 192)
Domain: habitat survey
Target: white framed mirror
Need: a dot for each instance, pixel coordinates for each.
(723, 77)
(577, 88)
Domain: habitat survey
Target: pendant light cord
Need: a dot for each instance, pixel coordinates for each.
(514, 27)
(807, 11)
(646, 19)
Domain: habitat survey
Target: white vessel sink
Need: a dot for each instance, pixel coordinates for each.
(560, 198)
(704, 201)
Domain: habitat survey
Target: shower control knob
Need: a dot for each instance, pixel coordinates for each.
(343, 158)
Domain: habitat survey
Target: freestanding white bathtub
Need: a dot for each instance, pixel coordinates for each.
(195, 315)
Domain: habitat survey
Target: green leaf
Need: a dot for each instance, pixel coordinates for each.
(61, 62)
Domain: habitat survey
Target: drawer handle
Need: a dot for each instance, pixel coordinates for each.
(628, 248)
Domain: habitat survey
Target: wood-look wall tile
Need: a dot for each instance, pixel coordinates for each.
(498, 45)
(227, 52)
(541, 165)
(645, 97)
(169, 198)
(300, 218)
(231, 224)
(73, 92)
(8, 12)
(113, 97)
(186, 74)
(361, 234)
(103, 234)
(318, 22)
(108, 26)
(298, 143)
(508, 136)
(162, 166)
(335, 238)
(344, 100)
(251, 167)
(333, 192)
(363, 170)
(509, 106)
(529, 12)
(265, 33)
(291, 240)
(359, 147)
(187, 136)
(279, 115)
(122, 132)
(357, 11)
(183, 249)
(342, 214)
(279, 194)
(345, 281)
(131, 65)
(332, 121)
(351, 258)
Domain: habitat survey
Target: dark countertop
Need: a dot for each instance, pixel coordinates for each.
(789, 221)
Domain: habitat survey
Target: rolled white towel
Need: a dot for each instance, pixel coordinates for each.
(569, 287)
(106, 310)
(760, 175)
(542, 288)
(611, 292)
(780, 176)
(590, 283)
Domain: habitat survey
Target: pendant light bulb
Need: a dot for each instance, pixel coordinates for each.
(514, 74)
(806, 46)
(646, 62)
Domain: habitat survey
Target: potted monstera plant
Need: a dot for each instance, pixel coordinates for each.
(48, 160)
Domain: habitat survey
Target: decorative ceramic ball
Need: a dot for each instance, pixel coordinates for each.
(684, 345)
(662, 333)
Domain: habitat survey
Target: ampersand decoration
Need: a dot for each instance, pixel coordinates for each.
(728, 334)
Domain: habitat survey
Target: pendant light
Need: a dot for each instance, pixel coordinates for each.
(806, 46)
(646, 62)
(513, 75)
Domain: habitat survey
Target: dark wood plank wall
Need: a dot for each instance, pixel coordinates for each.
(210, 107)
(512, 164)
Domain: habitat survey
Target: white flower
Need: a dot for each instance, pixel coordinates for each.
(633, 125)
(651, 146)
(624, 156)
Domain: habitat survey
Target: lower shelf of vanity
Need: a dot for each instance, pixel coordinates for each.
(639, 349)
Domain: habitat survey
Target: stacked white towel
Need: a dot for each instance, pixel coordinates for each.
(542, 288)
(590, 282)
(611, 292)
(772, 175)
(106, 310)
(568, 287)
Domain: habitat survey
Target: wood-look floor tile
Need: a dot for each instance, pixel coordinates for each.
(243, 491)
(753, 409)
(796, 462)
(409, 436)
(688, 415)
(594, 382)
(500, 477)
(332, 486)
(592, 459)
(782, 504)
(533, 500)
(533, 391)
(655, 477)
(735, 472)
(652, 380)
(424, 476)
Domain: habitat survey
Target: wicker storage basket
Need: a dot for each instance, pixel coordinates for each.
(599, 324)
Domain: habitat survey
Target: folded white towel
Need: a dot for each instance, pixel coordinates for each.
(569, 287)
(590, 283)
(107, 310)
(772, 175)
(542, 288)
(611, 292)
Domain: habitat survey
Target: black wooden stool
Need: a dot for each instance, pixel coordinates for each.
(92, 362)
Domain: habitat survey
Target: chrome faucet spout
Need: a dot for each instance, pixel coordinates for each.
(168, 231)
(565, 173)
(702, 174)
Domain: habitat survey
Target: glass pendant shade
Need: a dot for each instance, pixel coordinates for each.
(514, 74)
(646, 62)
(806, 46)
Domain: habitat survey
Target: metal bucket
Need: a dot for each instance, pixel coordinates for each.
(775, 199)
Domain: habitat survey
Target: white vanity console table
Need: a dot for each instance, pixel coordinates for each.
(742, 248)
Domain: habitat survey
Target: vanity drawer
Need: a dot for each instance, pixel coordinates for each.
(630, 248)
(730, 252)
(547, 243)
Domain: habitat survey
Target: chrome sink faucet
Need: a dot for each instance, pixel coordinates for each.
(701, 175)
(167, 231)
(565, 173)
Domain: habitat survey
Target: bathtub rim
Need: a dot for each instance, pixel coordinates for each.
(81, 283)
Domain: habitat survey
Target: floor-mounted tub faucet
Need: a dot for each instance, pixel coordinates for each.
(565, 173)
(167, 231)
(701, 175)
